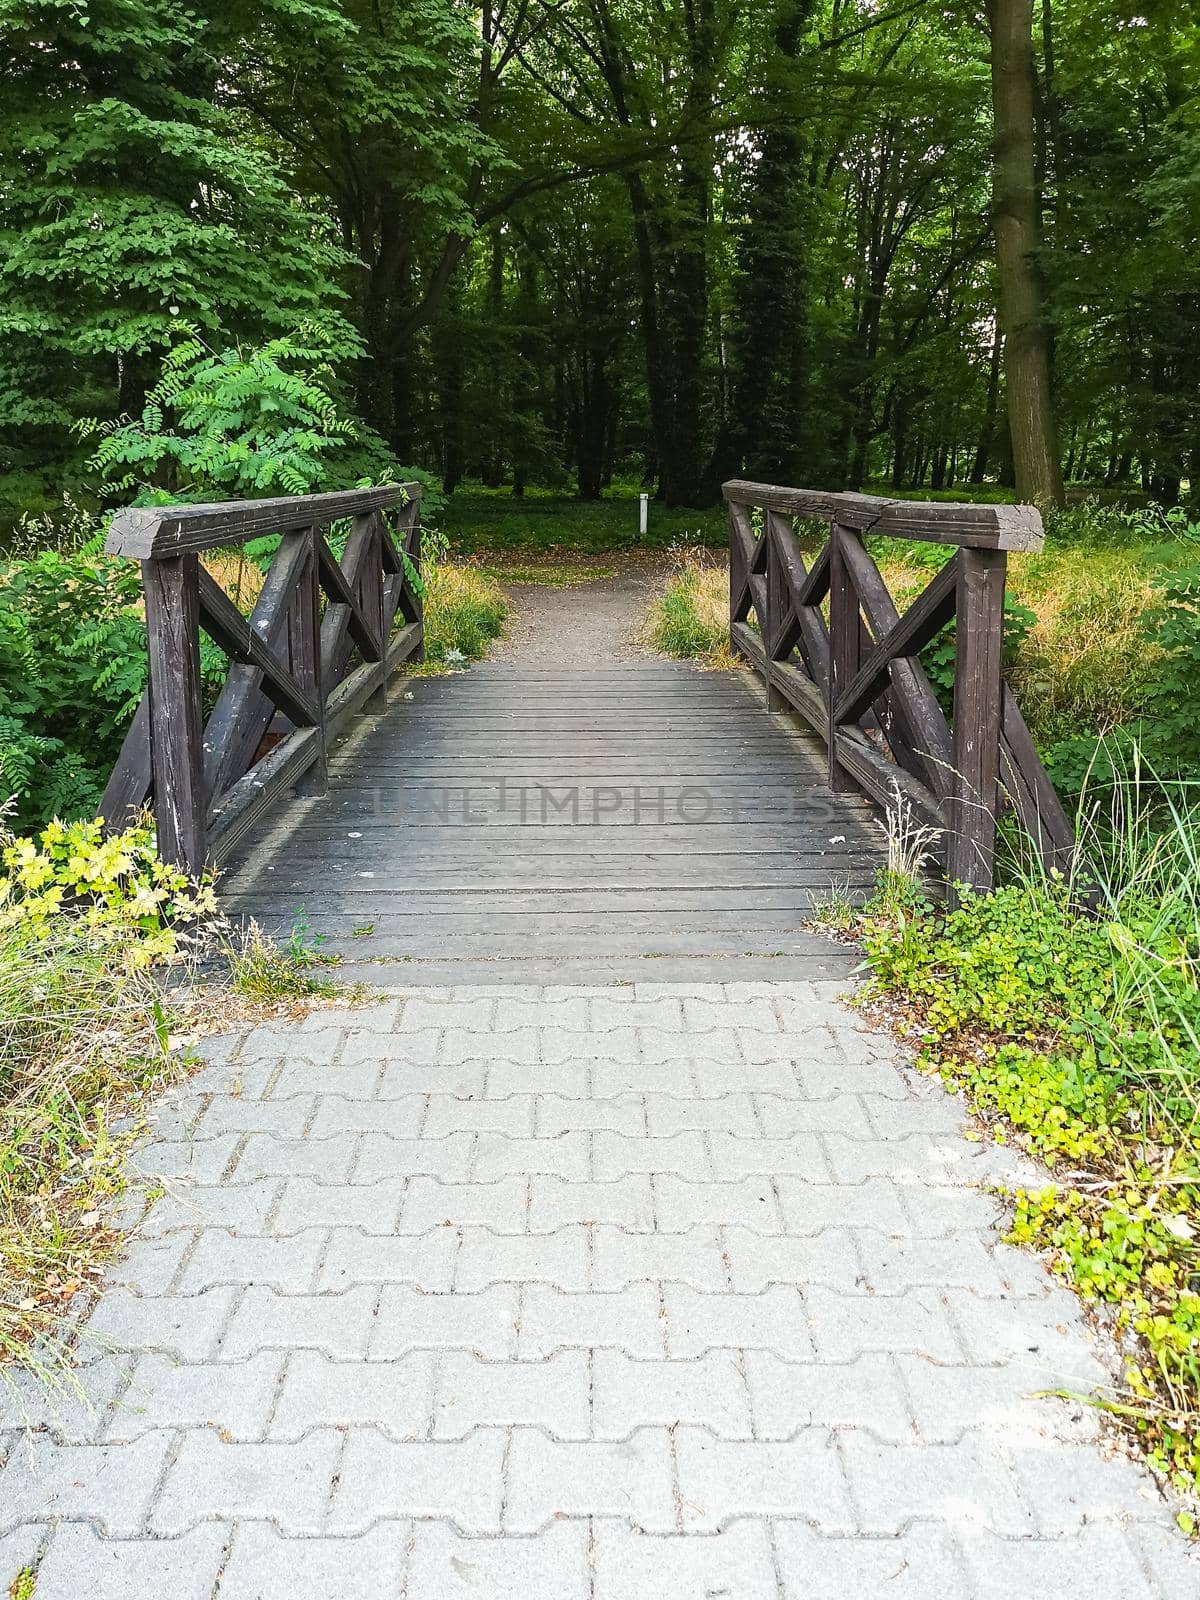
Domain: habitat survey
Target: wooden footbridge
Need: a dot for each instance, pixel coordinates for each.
(649, 820)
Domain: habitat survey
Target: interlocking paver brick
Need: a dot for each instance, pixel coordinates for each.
(774, 1320)
(623, 1114)
(497, 1155)
(737, 1563)
(288, 1484)
(339, 1324)
(289, 1265)
(1014, 1403)
(548, 1478)
(685, 1154)
(395, 1396)
(423, 1259)
(728, 1113)
(239, 1207)
(559, 1258)
(922, 1561)
(381, 1156)
(809, 1207)
(458, 1479)
(628, 1320)
(187, 1328)
(309, 1203)
(681, 1203)
(228, 1113)
(445, 1566)
(845, 1325)
(1100, 1562)
(336, 1114)
(499, 1204)
(552, 1394)
(586, 1293)
(233, 1396)
(829, 1258)
(722, 1478)
(110, 1485)
(19, 1551)
(961, 1260)
(964, 1483)
(447, 1114)
(569, 1078)
(410, 1320)
(626, 1202)
(265, 1155)
(710, 1392)
(696, 1257)
(79, 1562)
(799, 1156)
(865, 1393)
(264, 1565)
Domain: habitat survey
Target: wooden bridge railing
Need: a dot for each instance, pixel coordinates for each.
(321, 640)
(832, 646)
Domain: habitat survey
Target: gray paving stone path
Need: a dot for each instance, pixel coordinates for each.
(665, 1291)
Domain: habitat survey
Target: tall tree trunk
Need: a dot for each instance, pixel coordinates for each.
(987, 429)
(1018, 236)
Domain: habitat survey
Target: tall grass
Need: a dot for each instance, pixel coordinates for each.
(690, 618)
(465, 610)
(83, 1034)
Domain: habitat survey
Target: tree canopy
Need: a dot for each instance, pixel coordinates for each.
(574, 241)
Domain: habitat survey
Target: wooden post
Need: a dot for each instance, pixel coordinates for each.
(408, 537)
(978, 707)
(737, 577)
(845, 643)
(304, 626)
(171, 587)
(773, 621)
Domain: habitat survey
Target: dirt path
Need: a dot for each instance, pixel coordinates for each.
(585, 624)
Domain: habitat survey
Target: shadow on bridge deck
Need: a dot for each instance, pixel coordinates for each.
(648, 821)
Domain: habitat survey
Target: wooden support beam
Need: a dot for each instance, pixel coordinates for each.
(845, 643)
(978, 689)
(172, 592)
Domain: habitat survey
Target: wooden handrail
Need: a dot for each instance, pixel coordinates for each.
(323, 638)
(853, 672)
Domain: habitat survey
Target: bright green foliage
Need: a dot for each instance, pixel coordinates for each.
(129, 199)
(1076, 1033)
(227, 424)
(114, 884)
(72, 669)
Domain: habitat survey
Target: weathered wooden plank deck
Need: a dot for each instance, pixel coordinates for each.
(646, 821)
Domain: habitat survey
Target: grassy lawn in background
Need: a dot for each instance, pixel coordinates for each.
(479, 521)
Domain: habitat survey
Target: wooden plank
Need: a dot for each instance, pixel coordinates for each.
(226, 627)
(845, 644)
(243, 712)
(261, 789)
(972, 526)
(152, 532)
(978, 687)
(907, 636)
(171, 589)
(304, 638)
(128, 786)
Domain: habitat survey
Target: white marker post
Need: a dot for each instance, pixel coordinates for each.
(643, 514)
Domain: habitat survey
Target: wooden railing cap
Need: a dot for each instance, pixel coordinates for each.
(987, 527)
(150, 533)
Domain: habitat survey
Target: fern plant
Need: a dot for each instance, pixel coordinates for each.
(229, 423)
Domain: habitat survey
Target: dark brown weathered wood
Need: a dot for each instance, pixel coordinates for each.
(845, 643)
(226, 627)
(982, 527)
(304, 643)
(149, 533)
(243, 713)
(978, 689)
(171, 588)
(128, 786)
(268, 729)
(858, 680)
